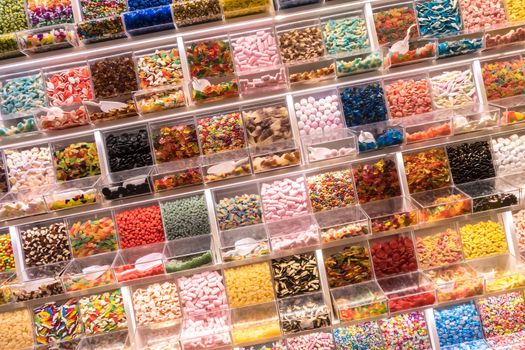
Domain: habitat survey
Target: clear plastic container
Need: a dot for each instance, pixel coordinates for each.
(244, 243)
(191, 12)
(367, 302)
(342, 224)
(286, 4)
(377, 136)
(245, 46)
(460, 43)
(60, 118)
(391, 214)
(218, 65)
(124, 108)
(503, 77)
(69, 194)
(47, 39)
(37, 282)
(206, 331)
(278, 155)
(212, 89)
(128, 148)
(18, 126)
(226, 165)
(189, 253)
(475, 118)
(399, 248)
(504, 35)
(92, 234)
(489, 230)
(158, 67)
(109, 341)
(408, 292)
(180, 173)
(300, 42)
(456, 282)
(303, 313)
(24, 203)
(500, 273)
(267, 123)
(311, 72)
(68, 84)
(148, 20)
(338, 143)
(10, 48)
(101, 29)
(174, 140)
(348, 264)
(490, 194)
(89, 272)
(392, 22)
(438, 246)
(22, 93)
(234, 8)
(263, 82)
(358, 62)
(125, 184)
(158, 338)
(255, 324)
(295, 233)
(238, 206)
(512, 109)
(427, 126)
(113, 76)
(139, 262)
(159, 99)
(442, 203)
(419, 100)
(419, 50)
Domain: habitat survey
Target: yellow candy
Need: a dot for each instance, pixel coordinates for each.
(484, 238)
(516, 10)
(249, 284)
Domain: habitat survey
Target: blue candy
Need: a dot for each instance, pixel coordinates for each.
(458, 324)
(286, 4)
(475, 345)
(384, 138)
(459, 47)
(144, 4)
(438, 17)
(364, 104)
(148, 20)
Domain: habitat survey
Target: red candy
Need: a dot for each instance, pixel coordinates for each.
(128, 272)
(400, 303)
(69, 87)
(393, 255)
(140, 226)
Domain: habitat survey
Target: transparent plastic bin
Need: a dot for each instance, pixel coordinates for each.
(10, 47)
(438, 246)
(124, 109)
(417, 105)
(226, 165)
(504, 35)
(502, 77)
(113, 76)
(490, 194)
(139, 262)
(218, 65)
(307, 44)
(213, 89)
(392, 21)
(378, 136)
(391, 214)
(460, 43)
(338, 143)
(427, 126)
(24, 203)
(442, 203)
(174, 140)
(399, 247)
(101, 29)
(342, 224)
(263, 82)
(125, 184)
(18, 126)
(159, 99)
(79, 88)
(158, 338)
(255, 323)
(348, 264)
(260, 118)
(189, 253)
(512, 109)
(5, 293)
(149, 20)
(180, 173)
(121, 154)
(244, 243)
(456, 282)
(303, 313)
(206, 331)
(60, 118)
(191, 12)
(367, 301)
(419, 50)
(159, 67)
(233, 8)
(475, 118)
(408, 292)
(447, 13)
(286, 4)
(500, 273)
(311, 72)
(47, 39)
(358, 62)
(506, 152)
(92, 233)
(37, 282)
(487, 228)
(278, 155)
(89, 272)
(238, 206)
(295, 233)
(75, 193)
(109, 341)
(246, 41)
(25, 102)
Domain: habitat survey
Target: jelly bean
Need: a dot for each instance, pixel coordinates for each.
(426, 170)
(483, 238)
(457, 324)
(221, 132)
(330, 190)
(103, 312)
(359, 336)
(7, 258)
(139, 226)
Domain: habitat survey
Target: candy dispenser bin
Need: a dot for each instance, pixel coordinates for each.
(292, 234)
(101, 29)
(255, 324)
(475, 117)
(139, 262)
(189, 253)
(339, 143)
(89, 272)
(181, 173)
(408, 292)
(191, 12)
(456, 282)
(47, 39)
(244, 243)
(368, 302)
(491, 194)
(37, 282)
(148, 20)
(391, 214)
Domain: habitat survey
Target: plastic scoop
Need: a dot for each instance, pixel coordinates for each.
(149, 261)
(56, 112)
(366, 137)
(245, 246)
(225, 167)
(95, 271)
(107, 106)
(319, 152)
(200, 84)
(403, 46)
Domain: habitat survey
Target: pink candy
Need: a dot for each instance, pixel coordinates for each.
(269, 80)
(202, 293)
(254, 52)
(312, 341)
(295, 240)
(478, 14)
(318, 116)
(205, 332)
(284, 199)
